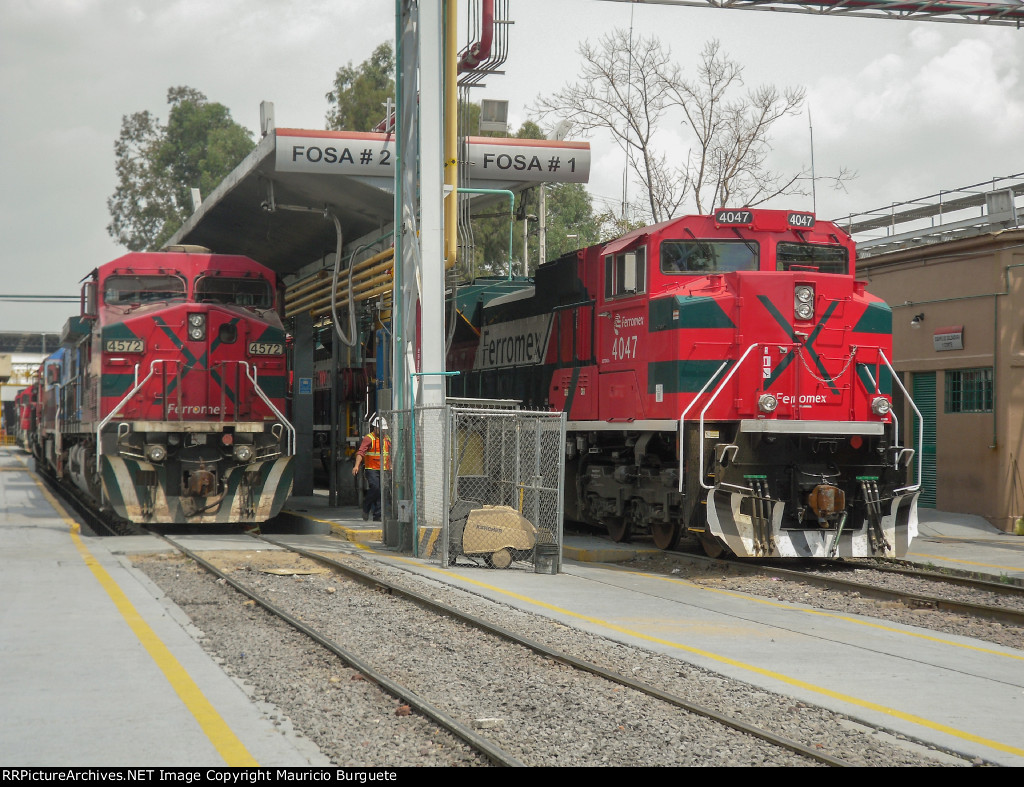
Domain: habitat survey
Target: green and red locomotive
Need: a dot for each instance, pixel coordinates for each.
(165, 403)
(724, 376)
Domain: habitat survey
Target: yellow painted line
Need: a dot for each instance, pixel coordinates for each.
(844, 618)
(856, 701)
(230, 748)
(371, 533)
(966, 562)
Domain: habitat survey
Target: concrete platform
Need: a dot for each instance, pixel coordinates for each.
(88, 643)
(99, 669)
(967, 543)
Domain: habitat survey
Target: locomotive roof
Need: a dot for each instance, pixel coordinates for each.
(190, 263)
(764, 220)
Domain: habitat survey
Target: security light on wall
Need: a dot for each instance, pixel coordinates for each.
(918, 319)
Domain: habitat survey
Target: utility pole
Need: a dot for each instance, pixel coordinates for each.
(542, 230)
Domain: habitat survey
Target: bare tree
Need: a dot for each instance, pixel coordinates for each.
(732, 135)
(631, 88)
(621, 90)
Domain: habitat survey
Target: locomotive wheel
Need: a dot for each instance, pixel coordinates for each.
(620, 529)
(666, 534)
(501, 559)
(712, 546)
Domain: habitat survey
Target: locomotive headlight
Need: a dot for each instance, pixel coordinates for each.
(197, 327)
(767, 403)
(880, 405)
(803, 301)
(243, 453)
(156, 452)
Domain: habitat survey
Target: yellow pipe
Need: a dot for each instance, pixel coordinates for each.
(316, 280)
(451, 135)
(322, 298)
(315, 296)
(324, 310)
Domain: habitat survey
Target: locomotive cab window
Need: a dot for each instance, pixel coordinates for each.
(624, 273)
(812, 257)
(239, 292)
(128, 290)
(700, 256)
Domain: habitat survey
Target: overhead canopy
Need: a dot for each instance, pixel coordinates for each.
(250, 211)
(29, 343)
(272, 206)
(1004, 12)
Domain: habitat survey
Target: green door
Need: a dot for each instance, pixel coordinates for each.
(924, 398)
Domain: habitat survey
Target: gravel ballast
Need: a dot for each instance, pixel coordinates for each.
(542, 712)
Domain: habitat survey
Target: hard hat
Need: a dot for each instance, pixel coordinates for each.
(377, 422)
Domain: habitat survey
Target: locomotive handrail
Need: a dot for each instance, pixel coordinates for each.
(250, 372)
(117, 408)
(892, 413)
(920, 429)
(682, 418)
(711, 401)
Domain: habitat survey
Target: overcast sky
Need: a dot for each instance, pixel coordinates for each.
(912, 107)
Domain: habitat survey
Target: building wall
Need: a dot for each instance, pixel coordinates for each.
(976, 287)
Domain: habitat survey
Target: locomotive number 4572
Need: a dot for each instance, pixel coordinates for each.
(265, 348)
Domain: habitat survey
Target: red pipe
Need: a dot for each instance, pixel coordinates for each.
(481, 50)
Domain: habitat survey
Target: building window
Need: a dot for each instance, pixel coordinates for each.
(969, 391)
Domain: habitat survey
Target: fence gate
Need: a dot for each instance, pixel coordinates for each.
(484, 486)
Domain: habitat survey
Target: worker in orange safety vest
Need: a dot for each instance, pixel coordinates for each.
(374, 454)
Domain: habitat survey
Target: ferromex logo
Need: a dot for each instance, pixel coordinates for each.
(517, 343)
(627, 322)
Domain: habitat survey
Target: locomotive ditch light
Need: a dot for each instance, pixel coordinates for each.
(244, 453)
(803, 301)
(156, 452)
(880, 406)
(767, 403)
(197, 327)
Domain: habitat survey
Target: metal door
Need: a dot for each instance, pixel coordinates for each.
(924, 397)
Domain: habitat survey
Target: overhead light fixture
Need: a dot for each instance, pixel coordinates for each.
(918, 319)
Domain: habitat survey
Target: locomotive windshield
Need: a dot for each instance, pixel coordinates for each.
(238, 292)
(811, 257)
(704, 256)
(128, 290)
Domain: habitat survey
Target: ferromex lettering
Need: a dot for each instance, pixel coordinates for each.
(517, 343)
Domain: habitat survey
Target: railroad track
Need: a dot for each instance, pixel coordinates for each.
(545, 658)
(1012, 613)
(100, 524)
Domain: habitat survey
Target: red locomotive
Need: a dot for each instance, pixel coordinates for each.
(166, 400)
(724, 376)
(24, 415)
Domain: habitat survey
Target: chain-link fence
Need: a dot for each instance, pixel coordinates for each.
(475, 485)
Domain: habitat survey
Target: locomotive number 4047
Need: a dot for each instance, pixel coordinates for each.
(624, 347)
